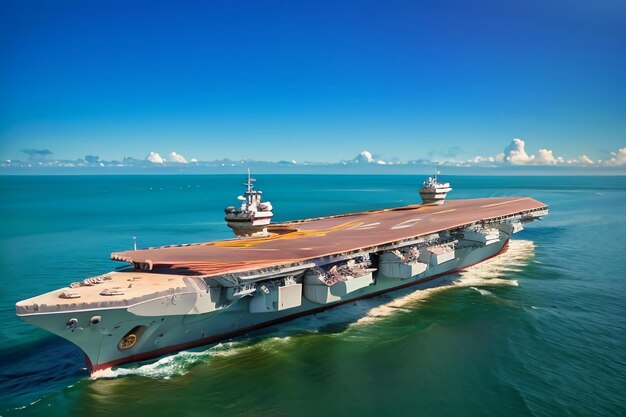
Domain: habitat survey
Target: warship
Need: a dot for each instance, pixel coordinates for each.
(177, 297)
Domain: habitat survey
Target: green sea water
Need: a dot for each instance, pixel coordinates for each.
(537, 331)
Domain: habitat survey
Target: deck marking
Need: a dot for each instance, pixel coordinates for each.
(365, 226)
(405, 224)
(504, 202)
(248, 243)
(441, 212)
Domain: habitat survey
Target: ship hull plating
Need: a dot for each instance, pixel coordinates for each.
(159, 335)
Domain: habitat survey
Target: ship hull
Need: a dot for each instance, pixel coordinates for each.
(162, 335)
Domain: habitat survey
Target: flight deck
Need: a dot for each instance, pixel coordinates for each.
(303, 240)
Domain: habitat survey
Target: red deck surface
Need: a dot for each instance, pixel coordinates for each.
(330, 235)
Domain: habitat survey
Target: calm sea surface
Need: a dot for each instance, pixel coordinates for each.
(540, 330)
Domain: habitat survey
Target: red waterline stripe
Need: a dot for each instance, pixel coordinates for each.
(212, 339)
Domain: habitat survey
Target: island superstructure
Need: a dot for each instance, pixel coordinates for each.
(433, 191)
(176, 297)
(252, 218)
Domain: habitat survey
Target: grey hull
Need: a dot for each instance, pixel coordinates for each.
(168, 333)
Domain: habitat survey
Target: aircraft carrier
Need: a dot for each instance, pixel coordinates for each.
(177, 297)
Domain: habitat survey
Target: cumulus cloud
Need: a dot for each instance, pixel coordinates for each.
(583, 160)
(516, 154)
(618, 157)
(92, 159)
(366, 157)
(545, 157)
(174, 157)
(155, 158)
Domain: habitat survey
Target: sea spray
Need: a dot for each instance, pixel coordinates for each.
(171, 365)
(487, 273)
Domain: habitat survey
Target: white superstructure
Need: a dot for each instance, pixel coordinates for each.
(433, 191)
(253, 216)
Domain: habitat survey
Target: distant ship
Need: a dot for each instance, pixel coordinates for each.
(433, 191)
(177, 297)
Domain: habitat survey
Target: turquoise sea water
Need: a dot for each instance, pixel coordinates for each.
(540, 330)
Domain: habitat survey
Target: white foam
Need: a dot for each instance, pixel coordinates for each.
(481, 291)
(397, 305)
(487, 273)
(168, 366)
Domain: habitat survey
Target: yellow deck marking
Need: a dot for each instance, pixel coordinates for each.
(247, 243)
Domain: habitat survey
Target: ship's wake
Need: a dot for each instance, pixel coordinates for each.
(169, 366)
(491, 273)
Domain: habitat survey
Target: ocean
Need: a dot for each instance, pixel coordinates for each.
(537, 331)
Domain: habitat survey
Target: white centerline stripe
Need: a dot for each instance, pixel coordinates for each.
(441, 212)
(504, 202)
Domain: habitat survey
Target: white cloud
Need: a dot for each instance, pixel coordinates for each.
(364, 157)
(617, 158)
(155, 158)
(545, 157)
(516, 154)
(174, 157)
(583, 160)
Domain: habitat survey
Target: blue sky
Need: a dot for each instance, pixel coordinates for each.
(314, 80)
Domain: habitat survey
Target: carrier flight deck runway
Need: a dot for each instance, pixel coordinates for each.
(303, 240)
